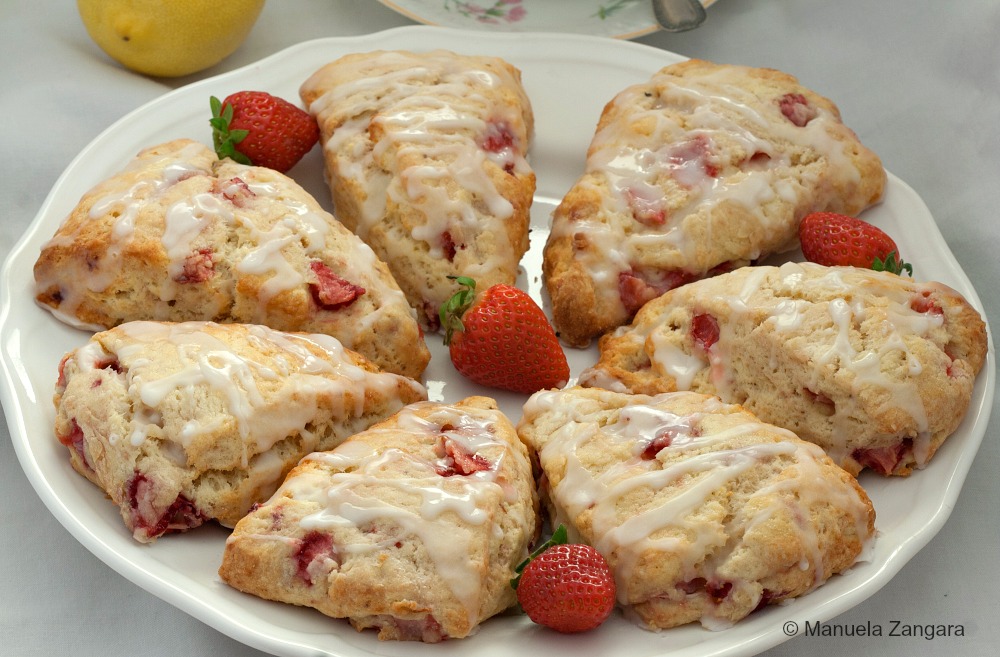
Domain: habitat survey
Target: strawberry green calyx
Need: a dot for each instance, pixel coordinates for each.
(894, 264)
(559, 537)
(452, 310)
(223, 139)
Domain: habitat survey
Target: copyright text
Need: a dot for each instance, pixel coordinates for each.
(895, 628)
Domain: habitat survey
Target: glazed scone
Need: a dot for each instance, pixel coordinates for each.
(704, 168)
(183, 423)
(876, 368)
(179, 235)
(704, 512)
(425, 160)
(413, 527)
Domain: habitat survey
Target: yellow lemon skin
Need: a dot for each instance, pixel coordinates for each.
(169, 38)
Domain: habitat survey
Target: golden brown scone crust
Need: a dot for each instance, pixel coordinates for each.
(876, 368)
(413, 527)
(704, 168)
(183, 423)
(425, 159)
(179, 235)
(703, 512)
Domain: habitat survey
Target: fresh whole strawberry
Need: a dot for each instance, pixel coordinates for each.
(833, 239)
(502, 339)
(254, 127)
(568, 587)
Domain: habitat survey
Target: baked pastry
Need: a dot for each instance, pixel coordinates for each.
(875, 368)
(413, 527)
(185, 423)
(179, 235)
(425, 159)
(704, 512)
(704, 168)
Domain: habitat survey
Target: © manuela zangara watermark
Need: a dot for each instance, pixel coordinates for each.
(893, 628)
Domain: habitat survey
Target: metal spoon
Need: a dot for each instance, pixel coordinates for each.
(678, 15)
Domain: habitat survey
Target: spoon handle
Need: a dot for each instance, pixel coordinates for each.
(678, 15)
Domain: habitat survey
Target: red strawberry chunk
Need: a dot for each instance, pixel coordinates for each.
(448, 246)
(458, 461)
(691, 161)
(75, 440)
(634, 291)
(718, 591)
(646, 209)
(198, 267)
(110, 363)
(883, 460)
(659, 442)
(61, 378)
(331, 292)
(315, 547)
(498, 137)
(636, 288)
(427, 630)
(796, 108)
(768, 596)
(236, 191)
(923, 303)
(704, 330)
(147, 522)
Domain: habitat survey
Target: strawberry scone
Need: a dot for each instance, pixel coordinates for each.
(184, 423)
(425, 160)
(180, 235)
(875, 368)
(703, 512)
(413, 527)
(704, 168)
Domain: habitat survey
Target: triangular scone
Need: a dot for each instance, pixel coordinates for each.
(413, 527)
(179, 235)
(704, 512)
(875, 368)
(702, 169)
(183, 423)
(425, 159)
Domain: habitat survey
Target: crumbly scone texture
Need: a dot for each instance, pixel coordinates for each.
(704, 168)
(180, 235)
(704, 512)
(183, 423)
(425, 160)
(877, 369)
(413, 527)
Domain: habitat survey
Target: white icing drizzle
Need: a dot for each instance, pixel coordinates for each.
(780, 297)
(704, 462)
(196, 361)
(432, 117)
(366, 485)
(691, 128)
(273, 251)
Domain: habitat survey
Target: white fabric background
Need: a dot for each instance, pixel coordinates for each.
(919, 81)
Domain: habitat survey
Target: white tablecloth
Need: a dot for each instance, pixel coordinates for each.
(921, 86)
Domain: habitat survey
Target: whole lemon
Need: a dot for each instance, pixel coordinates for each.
(169, 38)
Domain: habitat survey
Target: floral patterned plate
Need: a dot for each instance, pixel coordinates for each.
(622, 19)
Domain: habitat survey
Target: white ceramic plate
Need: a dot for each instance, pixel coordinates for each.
(622, 19)
(569, 78)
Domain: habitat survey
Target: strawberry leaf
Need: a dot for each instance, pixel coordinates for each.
(223, 139)
(893, 264)
(452, 310)
(559, 537)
